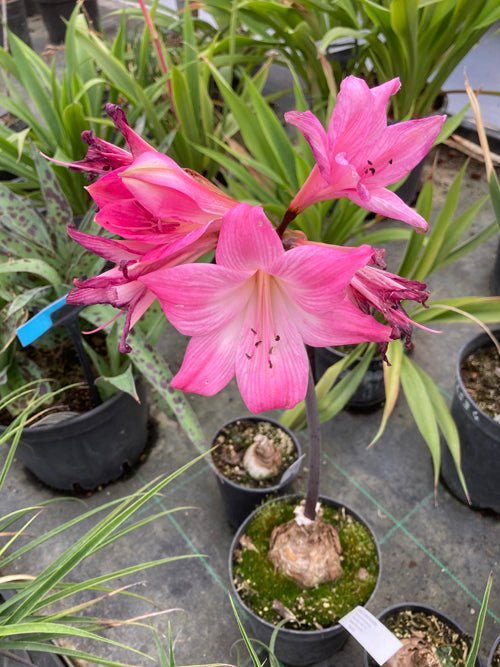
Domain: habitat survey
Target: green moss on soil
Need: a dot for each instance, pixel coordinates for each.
(320, 607)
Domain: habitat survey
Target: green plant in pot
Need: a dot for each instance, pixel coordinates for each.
(269, 294)
(494, 657)
(32, 630)
(290, 34)
(450, 238)
(55, 102)
(429, 637)
(476, 410)
(172, 59)
(420, 42)
(45, 615)
(253, 458)
(150, 77)
(36, 272)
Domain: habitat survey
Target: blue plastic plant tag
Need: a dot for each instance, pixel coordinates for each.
(39, 323)
(373, 636)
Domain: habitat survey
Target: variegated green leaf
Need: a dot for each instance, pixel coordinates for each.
(21, 219)
(59, 213)
(34, 266)
(459, 309)
(155, 370)
(326, 390)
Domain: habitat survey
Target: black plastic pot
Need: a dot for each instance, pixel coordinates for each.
(56, 12)
(15, 125)
(342, 50)
(296, 647)
(17, 20)
(479, 442)
(31, 7)
(89, 449)
(494, 649)
(239, 500)
(415, 606)
(370, 394)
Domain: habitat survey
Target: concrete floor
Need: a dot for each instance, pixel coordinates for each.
(439, 555)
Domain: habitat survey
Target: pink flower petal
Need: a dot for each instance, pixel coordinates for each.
(314, 276)
(272, 373)
(315, 134)
(255, 245)
(114, 250)
(108, 189)
(400, 148)
(199, 299)
(362, 153)
(353, 121)
(344, 325)
(208, 364)
(166, 190)
(388, 204)
(136, 144)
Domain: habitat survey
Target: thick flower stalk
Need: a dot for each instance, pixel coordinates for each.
(252, 312)
(360, 154)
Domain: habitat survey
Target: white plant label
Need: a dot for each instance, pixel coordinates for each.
(373, 636)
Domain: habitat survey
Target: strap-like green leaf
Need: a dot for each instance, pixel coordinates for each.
(34, 76)
(414, 245)
(460, 309)
(439, 228)
(471, 658)
(417, 396)
(339, 395)
(494, 189)
(392, 377)
(445, 422)
(331, 395)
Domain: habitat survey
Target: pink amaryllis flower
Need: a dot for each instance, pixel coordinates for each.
(251, 313)
(360, 154)
(120, 286)
(372, 288)
(144, 195)
(156, 201)
(103, 156)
